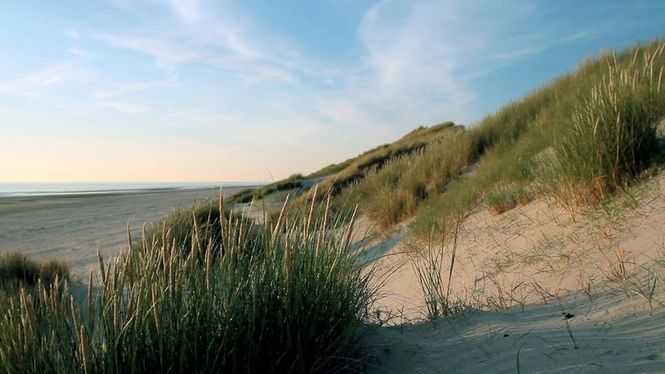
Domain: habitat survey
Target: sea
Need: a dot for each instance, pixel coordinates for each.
(30, 189)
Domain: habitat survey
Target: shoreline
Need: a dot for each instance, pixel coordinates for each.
(28, 196)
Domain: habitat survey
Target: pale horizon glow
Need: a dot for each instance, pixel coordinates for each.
(202, 90)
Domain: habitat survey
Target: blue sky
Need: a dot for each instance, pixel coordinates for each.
(174, 90)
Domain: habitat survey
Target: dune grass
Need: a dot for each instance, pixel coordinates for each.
(251, 194)
(396, 191)
(283, 299)
(181, 227)
(18, 273)
(613, 133)
(18, 270)
(578, 139)
(414, 139)
(355, 170)
(434, 280)
(366, 171)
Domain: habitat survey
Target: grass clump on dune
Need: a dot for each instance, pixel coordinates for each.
(251, 194)
(579, 139)
(283, 299)
(612, 137)
(181, 227)
(20, 274)
(397, 190)
(430, 267)
(355, 170)
(17, 270)
(415, 139)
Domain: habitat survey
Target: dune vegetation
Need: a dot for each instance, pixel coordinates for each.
(286, 299)
(577, 139)
(17, 270)
(416, 139)
(247, 195)
(356, 170)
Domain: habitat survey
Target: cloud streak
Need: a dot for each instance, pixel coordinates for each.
(421, 59)
(128, 108)
(202, 32)
(120, 89)
(49, 77)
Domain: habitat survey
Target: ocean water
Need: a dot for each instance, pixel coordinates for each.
(24, 189)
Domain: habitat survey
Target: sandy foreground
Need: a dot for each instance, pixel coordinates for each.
(72, 228)
(541, 290)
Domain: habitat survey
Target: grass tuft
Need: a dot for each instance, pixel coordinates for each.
(247, 195)
(613, 134)
(579, 139)
(430, 266)
(18, 270)
(285, 298)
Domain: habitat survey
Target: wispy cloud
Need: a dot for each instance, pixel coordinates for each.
(187, 10)
(198, 116)
(167, 54)
(202, 32)
(49, 77)
(409, 68)
(118, 89)
(422, 58)
(348, 116)
(124, 107)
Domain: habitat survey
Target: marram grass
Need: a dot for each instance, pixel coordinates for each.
(613, 133)
(281, 299)
(578, 139)
(16, 270)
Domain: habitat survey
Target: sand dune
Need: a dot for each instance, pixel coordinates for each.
(518, 274)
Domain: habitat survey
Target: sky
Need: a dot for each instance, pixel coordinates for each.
(198, 90)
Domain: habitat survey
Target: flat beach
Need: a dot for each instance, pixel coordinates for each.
(73, 227)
